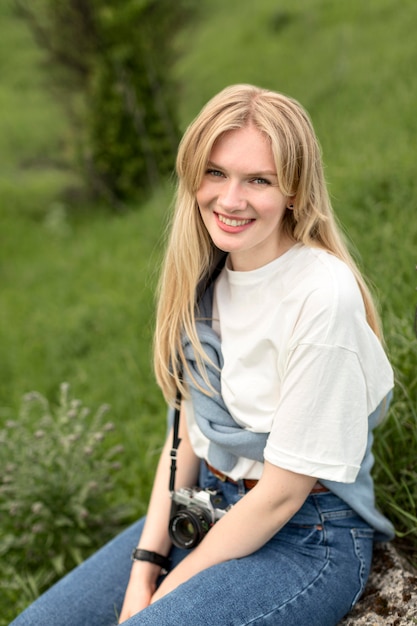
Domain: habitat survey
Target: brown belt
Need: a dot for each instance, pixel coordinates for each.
(249, 483)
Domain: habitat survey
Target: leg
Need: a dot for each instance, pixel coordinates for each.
(90, 595)
(311, 572)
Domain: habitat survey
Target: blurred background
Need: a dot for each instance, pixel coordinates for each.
(94, 96)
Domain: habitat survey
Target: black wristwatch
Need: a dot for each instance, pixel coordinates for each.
(152, 557)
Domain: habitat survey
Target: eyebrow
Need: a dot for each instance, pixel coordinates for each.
(249, 174)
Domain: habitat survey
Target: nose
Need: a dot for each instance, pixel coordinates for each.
(231, 196)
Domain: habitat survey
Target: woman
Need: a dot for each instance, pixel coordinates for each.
(268, 334)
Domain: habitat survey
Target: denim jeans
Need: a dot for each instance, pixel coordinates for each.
(311, 572)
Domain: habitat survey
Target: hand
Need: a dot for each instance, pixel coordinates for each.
(139, 592)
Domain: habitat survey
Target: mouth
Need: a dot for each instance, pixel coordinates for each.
(233, 222)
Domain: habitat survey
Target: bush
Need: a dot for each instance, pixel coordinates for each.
(57, 472)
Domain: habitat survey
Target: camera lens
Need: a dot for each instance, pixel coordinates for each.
(188, 527)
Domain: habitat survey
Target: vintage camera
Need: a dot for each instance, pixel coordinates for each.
(193, 513)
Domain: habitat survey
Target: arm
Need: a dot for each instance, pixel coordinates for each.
(143, 577)
(260, 514)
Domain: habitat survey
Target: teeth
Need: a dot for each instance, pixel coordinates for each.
(229, 222)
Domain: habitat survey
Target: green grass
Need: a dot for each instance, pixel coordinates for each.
(77, 280)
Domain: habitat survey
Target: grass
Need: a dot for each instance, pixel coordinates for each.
(77, 280)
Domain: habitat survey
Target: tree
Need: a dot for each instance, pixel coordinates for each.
(110, 61)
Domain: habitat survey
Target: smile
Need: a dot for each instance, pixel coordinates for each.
(234, 222)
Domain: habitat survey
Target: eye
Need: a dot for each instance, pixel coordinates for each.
(215, 173)
(261, 181)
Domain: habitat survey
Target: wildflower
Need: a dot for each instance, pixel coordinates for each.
(38, 528)
(37, 507)
(64, 387)
(108, 427)
(103, 410)
(13, 509)
(39, 434)
(31, 396)
(35, 396)
(98, 436)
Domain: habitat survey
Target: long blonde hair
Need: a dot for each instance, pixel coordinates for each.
(191, 254)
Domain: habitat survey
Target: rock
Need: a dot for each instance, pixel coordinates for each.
(390, 597)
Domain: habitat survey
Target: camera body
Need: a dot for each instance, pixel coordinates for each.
(193, 512)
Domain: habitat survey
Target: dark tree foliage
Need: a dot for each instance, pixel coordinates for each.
(110, 62)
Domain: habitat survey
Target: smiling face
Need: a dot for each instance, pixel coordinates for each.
(240, 202)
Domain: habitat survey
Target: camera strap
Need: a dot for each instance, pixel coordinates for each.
(175, 442)
(175, 438)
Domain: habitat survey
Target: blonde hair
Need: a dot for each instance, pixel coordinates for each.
(191, 254)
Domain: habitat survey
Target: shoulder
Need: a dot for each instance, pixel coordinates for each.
(324, 294)
(321, 275)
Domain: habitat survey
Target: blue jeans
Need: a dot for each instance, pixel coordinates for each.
(311, 572)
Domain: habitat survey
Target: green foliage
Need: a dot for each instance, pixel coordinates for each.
(396, 442)
(57, 472)
(111, 63)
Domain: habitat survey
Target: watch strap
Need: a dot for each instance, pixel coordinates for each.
(152, 557)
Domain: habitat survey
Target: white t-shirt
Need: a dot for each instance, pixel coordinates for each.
(300, 363)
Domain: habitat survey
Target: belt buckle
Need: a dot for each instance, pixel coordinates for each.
(220, 476)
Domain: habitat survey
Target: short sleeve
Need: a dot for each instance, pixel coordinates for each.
(321, 424)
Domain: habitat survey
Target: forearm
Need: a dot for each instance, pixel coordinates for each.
(246, 527)
(250, 523)
(155, 533)
(144, 575)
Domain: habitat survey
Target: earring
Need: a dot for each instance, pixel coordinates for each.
(290, 206)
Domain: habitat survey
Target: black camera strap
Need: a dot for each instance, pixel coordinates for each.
(175, 442)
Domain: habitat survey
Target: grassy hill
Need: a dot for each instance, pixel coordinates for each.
(77, 281)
